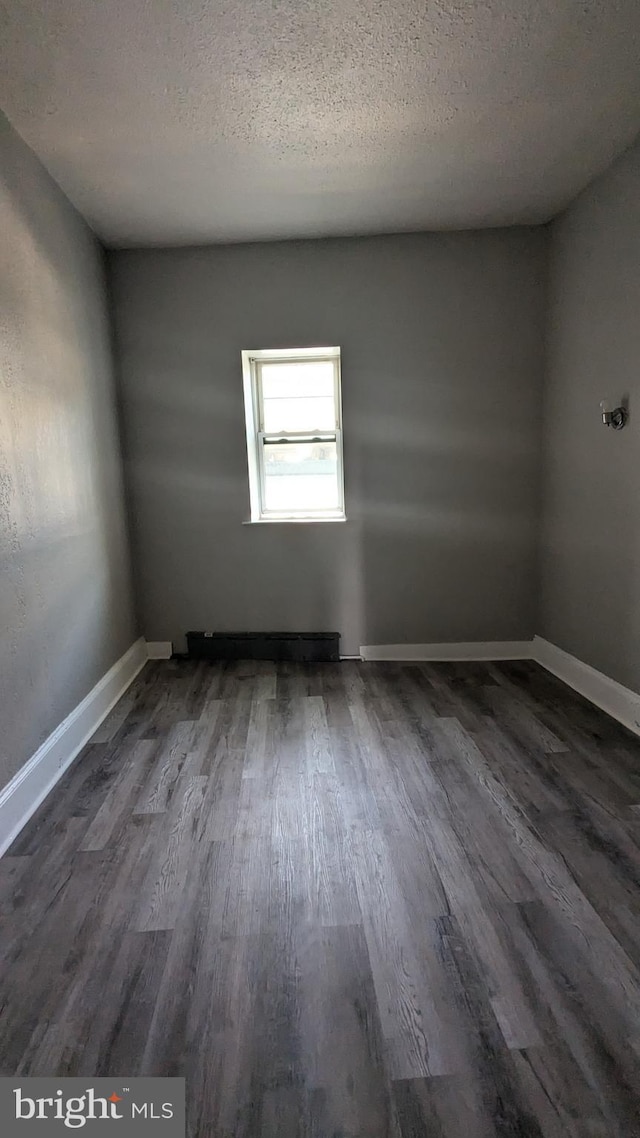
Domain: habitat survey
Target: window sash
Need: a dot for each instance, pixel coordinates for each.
(258, 394)
(304, 437)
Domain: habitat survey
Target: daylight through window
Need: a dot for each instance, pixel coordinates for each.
(294, 434)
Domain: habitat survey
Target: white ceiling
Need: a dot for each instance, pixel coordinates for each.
(185, 121)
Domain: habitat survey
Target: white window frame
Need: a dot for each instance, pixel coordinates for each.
(251, 362)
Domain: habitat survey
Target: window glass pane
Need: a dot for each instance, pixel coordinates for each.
(301, 477)
(298, 396)
(298, 415)
(306, 378)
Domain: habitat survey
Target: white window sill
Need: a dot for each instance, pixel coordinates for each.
(292, 521)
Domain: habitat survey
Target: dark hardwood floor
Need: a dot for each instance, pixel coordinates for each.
(343, 899)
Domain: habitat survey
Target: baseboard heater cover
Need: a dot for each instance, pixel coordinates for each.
(310, 647)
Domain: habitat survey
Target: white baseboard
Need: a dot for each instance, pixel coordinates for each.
(476, 650)
(619, 702)
(31, 785)
(610, 696)
(159, 649)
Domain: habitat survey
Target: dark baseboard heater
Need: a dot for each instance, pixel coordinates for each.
(312, 647)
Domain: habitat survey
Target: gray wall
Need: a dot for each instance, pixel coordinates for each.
(590, 595)
(441, 339)
(64, 575)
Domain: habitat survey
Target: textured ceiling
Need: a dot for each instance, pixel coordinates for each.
(183, 121)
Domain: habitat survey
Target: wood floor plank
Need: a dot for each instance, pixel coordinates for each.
(419, 1023)
(329, 855)
(340, 1036)
(189, 1012)
(470, 898)
(484, 1097)
(201, 741)
(49, 872)
(167, 875)
(108, 1030)
(156, 793)
(608, 878)
(257, 741)
(355, 900)
(574, 1007)
(11, 872)
(316, 737)
(42, 966)
(515, 712)
(358, 801)
(118, 803)
(483, 835)
(96, 909)
(551, 875)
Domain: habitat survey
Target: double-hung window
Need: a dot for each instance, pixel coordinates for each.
(294, 434)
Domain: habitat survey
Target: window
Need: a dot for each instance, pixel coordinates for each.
(294, 434)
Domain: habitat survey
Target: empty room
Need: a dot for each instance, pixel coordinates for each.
(320, 568)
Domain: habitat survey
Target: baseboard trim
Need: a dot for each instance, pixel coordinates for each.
(611, 697)
(30, 786)
(476, 650)
(619, 702)
(159, 649)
